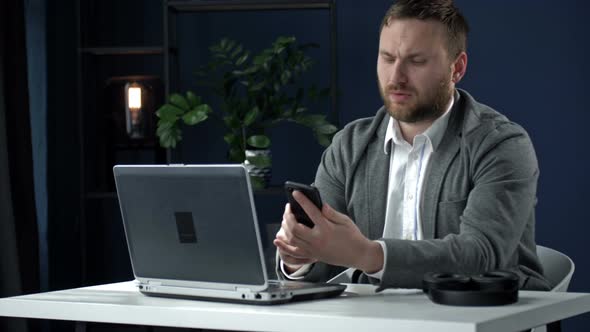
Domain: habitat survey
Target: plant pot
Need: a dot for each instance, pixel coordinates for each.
(263, 174)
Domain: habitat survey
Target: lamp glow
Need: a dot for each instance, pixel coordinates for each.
(133, 110)
(134, 97)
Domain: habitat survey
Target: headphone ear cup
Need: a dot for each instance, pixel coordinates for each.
(497, 281)
(445, 281)
(488, 289)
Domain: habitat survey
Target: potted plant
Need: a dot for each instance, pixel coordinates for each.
(257, 92)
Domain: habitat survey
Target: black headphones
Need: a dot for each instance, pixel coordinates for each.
(488, 289)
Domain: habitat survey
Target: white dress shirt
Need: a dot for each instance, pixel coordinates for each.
(407, 168)
(407, 171)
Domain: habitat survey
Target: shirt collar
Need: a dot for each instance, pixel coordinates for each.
(433, 134)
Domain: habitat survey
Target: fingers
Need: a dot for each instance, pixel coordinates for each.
(294, 232)
(334, 216)
(291, 254)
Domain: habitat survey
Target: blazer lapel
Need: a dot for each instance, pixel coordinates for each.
(376, 180)
(440, 162)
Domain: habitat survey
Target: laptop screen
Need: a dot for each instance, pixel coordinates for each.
(191, 223)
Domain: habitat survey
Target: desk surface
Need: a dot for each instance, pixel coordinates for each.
(400, 310)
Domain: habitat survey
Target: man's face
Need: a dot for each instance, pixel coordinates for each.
(414, 70)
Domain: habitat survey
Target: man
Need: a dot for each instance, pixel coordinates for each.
(435, 181)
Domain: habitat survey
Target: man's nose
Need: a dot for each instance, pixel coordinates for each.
(397, 74)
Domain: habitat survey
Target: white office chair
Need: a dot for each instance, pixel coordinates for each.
(558, 269)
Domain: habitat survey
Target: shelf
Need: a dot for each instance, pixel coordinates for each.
(226, 5)
(150, 50)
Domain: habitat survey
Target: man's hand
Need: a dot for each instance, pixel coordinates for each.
(293, 258)
(335, 240)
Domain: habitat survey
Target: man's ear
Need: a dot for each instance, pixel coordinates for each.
(459, 67)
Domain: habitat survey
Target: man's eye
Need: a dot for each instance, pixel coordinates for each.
(418, 61)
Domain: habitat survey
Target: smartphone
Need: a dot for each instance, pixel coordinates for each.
(310, 192)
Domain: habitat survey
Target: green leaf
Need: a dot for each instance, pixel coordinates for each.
(308, 45)
(251, 70)
(311, 120)
(230, 138)
(193, 99)
(257, 86)
(285, 76)
(257, 182)
(327, 129)
(220, 56)
(236, 51)
(260, 161)
(232, 122)
(223, 43)
(179, 101)
(204, 108)
(324, 92)
(259, 141)
(169, 112)
(324, 140)
(236, 155)
(164, 126)
(230, 45)
(261, 59)
(283, 40)
(242, 59)
(193, 117)
(169, 138)
(251, 116)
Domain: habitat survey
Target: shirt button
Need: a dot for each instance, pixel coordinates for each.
(410, 197)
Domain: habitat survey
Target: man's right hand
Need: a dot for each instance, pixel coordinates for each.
(283, 240)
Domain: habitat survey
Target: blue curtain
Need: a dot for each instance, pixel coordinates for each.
(19, 257)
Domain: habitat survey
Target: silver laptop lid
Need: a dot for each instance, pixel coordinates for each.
(191, 225)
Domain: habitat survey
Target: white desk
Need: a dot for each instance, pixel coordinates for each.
(121, 303)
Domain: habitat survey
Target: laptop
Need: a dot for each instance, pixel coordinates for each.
(192, 232)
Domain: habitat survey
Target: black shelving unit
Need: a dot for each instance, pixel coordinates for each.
(99, 57)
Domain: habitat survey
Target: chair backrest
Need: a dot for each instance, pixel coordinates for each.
(558, 267)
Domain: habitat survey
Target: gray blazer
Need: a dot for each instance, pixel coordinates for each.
(479, 197)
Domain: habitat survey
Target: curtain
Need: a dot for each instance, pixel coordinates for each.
(19, 262)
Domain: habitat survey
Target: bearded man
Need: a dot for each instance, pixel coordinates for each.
(434, 182)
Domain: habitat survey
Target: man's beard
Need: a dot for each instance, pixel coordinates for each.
(430, 108)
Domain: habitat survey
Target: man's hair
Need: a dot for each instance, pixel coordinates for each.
(443, 11)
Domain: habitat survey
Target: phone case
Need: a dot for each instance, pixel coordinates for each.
(310, 192)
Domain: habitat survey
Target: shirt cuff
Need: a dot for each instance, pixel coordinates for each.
(379, 274)
(297, 275)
